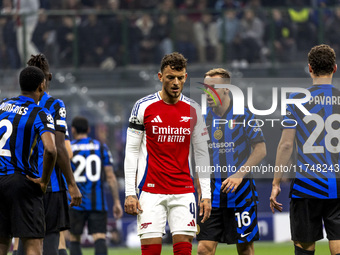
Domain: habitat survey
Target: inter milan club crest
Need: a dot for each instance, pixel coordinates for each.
(231, 124)
(218, 134)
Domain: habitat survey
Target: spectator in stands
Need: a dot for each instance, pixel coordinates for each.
(26, 12)
(250, 40)
(256, 6)
(65, 38)
(281, 34)
(226, 4)
(134, 40)
(190, 6)
(167, 6)
(93, 43)
(207, 39)
(162, 32)
(305, 29)
(228, 27)
(184, 37)
(44, 37)
(147, 44)
(148, 4)
(114, 24)
(9, 44)
(72, 4)
(333, 30)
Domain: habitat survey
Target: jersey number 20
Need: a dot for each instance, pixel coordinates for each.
(91, 165)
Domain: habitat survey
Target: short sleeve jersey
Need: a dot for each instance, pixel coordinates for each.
(231, 137)
(168, 130)
(318, 143)
(88, 162)
(58, 111)
(22, 122)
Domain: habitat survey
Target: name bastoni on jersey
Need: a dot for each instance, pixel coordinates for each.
(170, 134)
(13, 108)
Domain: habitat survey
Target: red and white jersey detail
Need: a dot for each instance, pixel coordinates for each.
(164, 154)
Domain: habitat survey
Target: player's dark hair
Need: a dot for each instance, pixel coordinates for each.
(41, 62)
(218, 71)
(80, 124)
(322, 59)
(175, 60)
(30, 78)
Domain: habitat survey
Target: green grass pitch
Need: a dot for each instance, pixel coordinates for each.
(261, 248)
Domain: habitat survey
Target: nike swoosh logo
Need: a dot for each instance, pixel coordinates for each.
(244, 235)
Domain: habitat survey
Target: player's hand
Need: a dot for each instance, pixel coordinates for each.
(231, 184)
(75, 195)
(205, 209)
(132, 205)
(38, 181)
(117, 210)
(273, 203)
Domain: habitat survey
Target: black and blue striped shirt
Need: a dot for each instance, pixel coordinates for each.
(229, 147)
(22, 122)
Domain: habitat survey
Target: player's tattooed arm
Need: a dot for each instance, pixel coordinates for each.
(132, 205)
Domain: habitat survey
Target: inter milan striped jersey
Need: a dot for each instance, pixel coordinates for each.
(58, 111)
(22, 122)
(318, 147)
(230, 142)
(88, 162)
(168, 130)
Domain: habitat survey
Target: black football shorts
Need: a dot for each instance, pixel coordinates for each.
(96, 221)
(230, 225)
(21, 207)
(308, 215)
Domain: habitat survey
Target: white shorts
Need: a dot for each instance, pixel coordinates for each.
(178, 209)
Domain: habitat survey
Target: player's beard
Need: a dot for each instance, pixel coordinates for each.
(172, 94)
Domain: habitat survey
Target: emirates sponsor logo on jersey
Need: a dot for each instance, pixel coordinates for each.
(170, 130)
(171, 134)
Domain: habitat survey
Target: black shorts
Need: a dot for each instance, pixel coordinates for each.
(229, 225)
(57, 216)
(307, 216)
(21, 207)
(96, 221)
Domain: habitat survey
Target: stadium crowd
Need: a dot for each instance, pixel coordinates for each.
(108, 33)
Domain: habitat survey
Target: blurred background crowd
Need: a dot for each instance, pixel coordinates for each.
(110, 33)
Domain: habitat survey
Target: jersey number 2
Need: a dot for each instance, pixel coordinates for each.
(9, 129)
